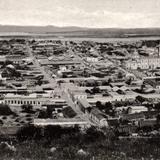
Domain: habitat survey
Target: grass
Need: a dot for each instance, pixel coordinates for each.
(97, 146)
(31, 150)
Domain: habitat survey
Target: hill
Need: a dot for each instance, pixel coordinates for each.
(81, 32)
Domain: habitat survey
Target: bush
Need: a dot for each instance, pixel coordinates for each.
(29, 132)
(5, 110)
(69, 112)
(27, 108)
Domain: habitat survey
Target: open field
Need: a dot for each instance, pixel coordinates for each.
(74, 38)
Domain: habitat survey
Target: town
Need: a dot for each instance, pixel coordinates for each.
(86, 83)
(68, 83)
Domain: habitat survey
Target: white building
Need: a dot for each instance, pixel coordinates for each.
(144, 63)
(132, 109)
(34, 99)
(92, 59)
(98, 117)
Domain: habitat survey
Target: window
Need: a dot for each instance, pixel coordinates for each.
(12, 102)
(8, 101)
(15, 102)
(18, 102)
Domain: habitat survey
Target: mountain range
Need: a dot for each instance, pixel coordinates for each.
(73, 31)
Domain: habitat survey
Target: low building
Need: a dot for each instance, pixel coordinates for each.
(133, 117)
(148, 122)
(60, 122)
(34, 99)
(132, 109)
(98, 117)
(143, 63)
(91, 59)
(84, 105)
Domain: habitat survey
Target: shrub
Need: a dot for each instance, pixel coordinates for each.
(5, 110)
(28, 132)
(27, 108)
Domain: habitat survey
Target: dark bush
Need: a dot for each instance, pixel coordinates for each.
(29, 132)
(27, 108)
(5, 110)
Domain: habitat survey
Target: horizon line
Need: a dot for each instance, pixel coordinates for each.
(83, 27)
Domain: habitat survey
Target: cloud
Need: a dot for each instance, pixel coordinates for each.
(76, 16)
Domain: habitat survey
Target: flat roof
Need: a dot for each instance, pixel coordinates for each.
(33, 95)
(46, 62)
(64, 121)
(84, 102)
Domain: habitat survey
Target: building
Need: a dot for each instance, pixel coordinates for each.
(148, 122)
(61, 122)
(91, 59)
(37, 100)
(94, 114)
(46, 62)
(98, 117)
(76, 94)
(143, 63)
(153, 81)
(84, 105)
(132, 109)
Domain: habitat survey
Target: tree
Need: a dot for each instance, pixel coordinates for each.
(16, 74)
(158, 119)
(120, 75)
(93, 134)
(88, 91)
(140, 99)
(39, 82)
(142, 87)
(29, 132)
(109, 80)
(27, 108)
(129, 81)
(95, 90)
(109, 108)
(109, 105)
(149, 106)
(99, 105)
(5, 110)
(157, 106)
(7, 62)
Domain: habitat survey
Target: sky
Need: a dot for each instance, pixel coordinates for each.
(82, 13)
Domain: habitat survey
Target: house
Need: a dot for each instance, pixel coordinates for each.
(132, 109)
(143, 63)
(61, 122)
(34, 99)
(153, 81)
(92, 59)
(147, 122)
(2, 59)
(84, 105)
(16, 59)
(133, 117)
(77, 94)
(126, 129)
(98, 117)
